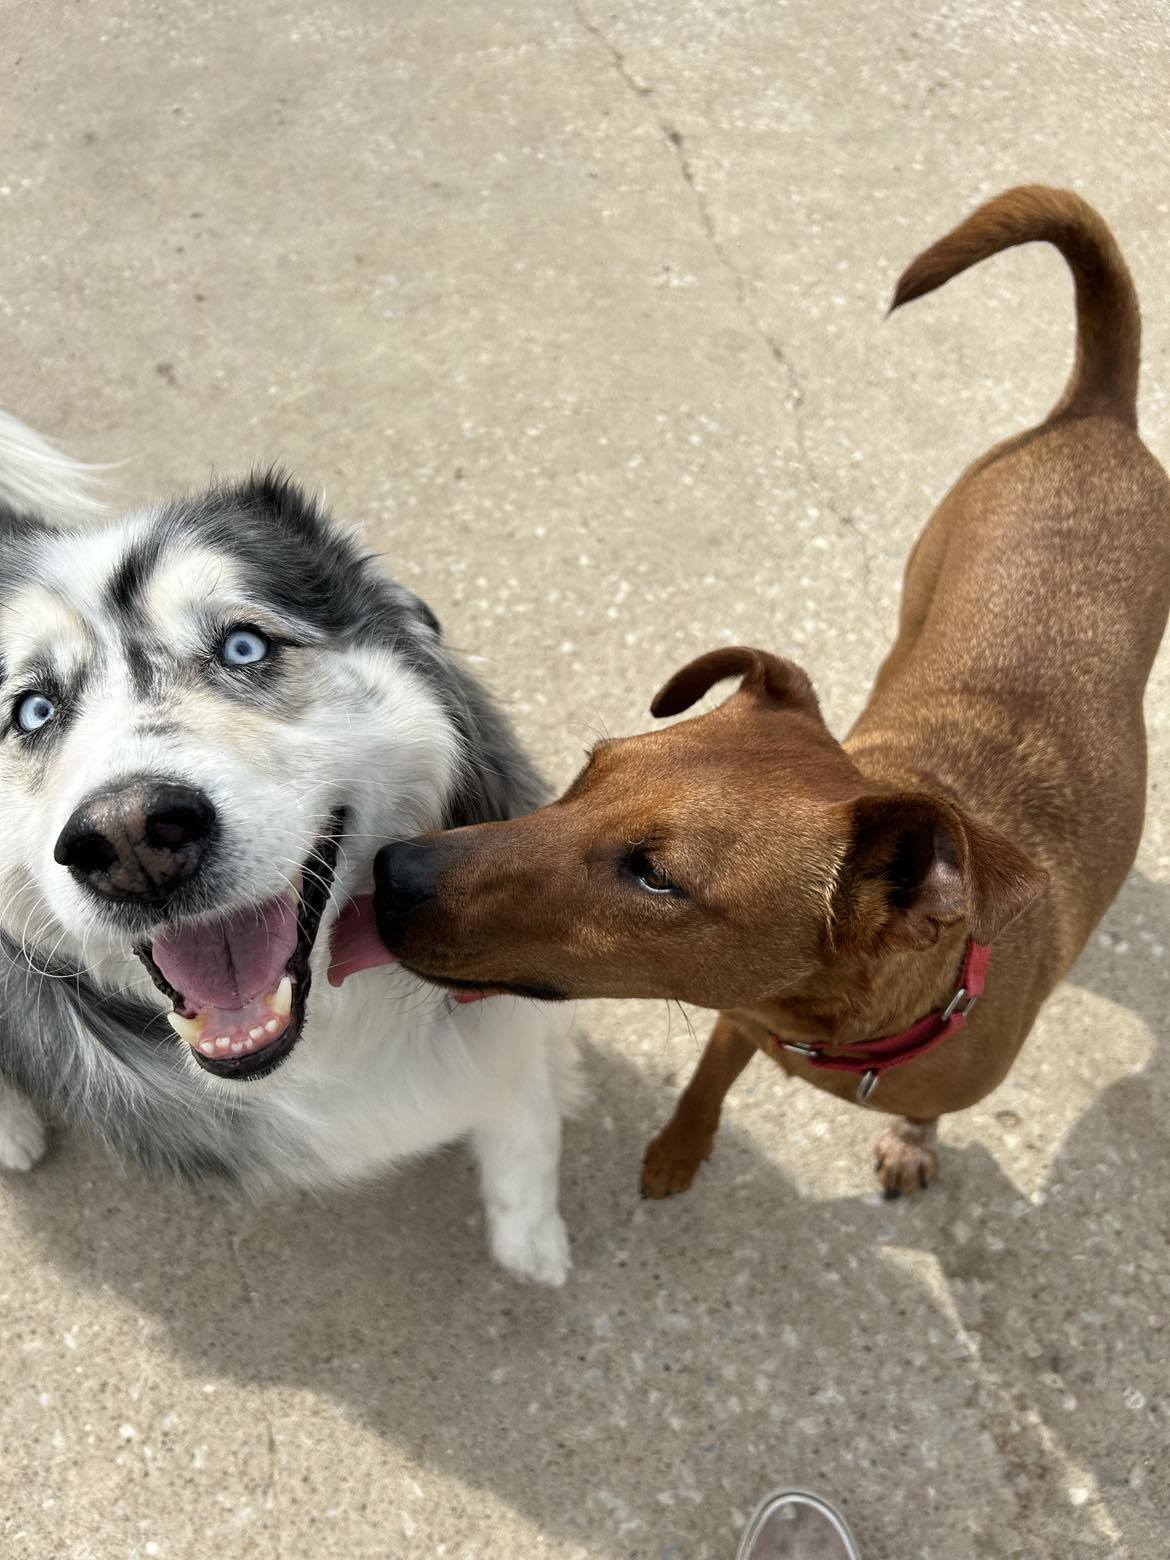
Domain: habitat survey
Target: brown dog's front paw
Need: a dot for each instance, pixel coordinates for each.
(671, 1163)
(906, 1158)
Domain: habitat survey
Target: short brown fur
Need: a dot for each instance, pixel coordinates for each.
(994, 785)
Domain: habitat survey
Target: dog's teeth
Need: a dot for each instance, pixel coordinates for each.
(272, 1025)
(188, 1029)
(237, 1047)
(248, 1044)
(281, 999)
(223, 1042)
(207, 1047)
(257, 1033)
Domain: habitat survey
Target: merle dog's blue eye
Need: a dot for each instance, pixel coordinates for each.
(34, 711)
(243, 647)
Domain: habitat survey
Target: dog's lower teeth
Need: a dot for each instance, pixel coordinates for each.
(237, 1043)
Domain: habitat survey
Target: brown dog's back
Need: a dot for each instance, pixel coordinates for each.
(1037, 596)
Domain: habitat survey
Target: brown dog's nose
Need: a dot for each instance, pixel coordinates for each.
(138, 842)
(405, 878)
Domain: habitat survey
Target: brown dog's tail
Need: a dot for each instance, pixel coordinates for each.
(1105, 374)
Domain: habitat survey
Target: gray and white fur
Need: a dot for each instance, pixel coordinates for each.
(360, 713)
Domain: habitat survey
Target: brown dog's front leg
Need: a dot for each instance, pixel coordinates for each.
(906, 1155)
(673, 1158)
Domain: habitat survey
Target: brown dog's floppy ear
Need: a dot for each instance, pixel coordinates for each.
(918, 864)
(766, 675)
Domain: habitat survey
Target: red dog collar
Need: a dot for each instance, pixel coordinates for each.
(872, 1058)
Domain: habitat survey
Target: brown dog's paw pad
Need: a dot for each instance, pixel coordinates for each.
(669, 1166)
(902, 1166)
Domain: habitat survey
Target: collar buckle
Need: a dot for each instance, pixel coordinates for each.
(952, 1006)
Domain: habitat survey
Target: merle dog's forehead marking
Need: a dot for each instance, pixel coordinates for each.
(131, 597)
(53, 611)
(144, 667)
(185, 586)
(39, 626)
(174, 594)
(123, 591)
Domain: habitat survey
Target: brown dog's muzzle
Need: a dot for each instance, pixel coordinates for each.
(442, 908)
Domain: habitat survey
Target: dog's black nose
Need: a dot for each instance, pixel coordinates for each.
(404, 878)
(138, 842)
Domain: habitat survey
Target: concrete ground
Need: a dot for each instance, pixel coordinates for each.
(578, 308)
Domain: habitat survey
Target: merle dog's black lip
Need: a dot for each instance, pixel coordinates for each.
(318, 873)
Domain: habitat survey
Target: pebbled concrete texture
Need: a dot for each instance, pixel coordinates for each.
(578, 309)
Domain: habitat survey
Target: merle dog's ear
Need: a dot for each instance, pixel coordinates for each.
(270, 492)
(424, 614)
(285, 503)
(764, 676)
(917, 865)
(496, 778)
(309, 562)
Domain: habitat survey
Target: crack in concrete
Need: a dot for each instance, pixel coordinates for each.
(794, 398)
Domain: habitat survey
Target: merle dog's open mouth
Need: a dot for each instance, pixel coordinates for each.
(239, 987)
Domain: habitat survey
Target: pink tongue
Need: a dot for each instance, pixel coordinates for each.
(227, 963)
(356, 944)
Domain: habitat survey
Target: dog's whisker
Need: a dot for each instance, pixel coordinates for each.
(686, 1018)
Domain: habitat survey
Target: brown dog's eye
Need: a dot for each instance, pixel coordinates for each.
(641, 865)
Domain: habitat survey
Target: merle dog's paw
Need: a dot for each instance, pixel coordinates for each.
(22, 1136)
(539, 1252)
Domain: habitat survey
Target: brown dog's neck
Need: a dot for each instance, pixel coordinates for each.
(865, 996)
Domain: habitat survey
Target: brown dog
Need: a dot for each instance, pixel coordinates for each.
(833, 900)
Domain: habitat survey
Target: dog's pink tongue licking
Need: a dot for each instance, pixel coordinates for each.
(356, 944)
(225, 964)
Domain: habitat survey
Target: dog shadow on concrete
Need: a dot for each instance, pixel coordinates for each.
(952, 1369)
(1062, 1296)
